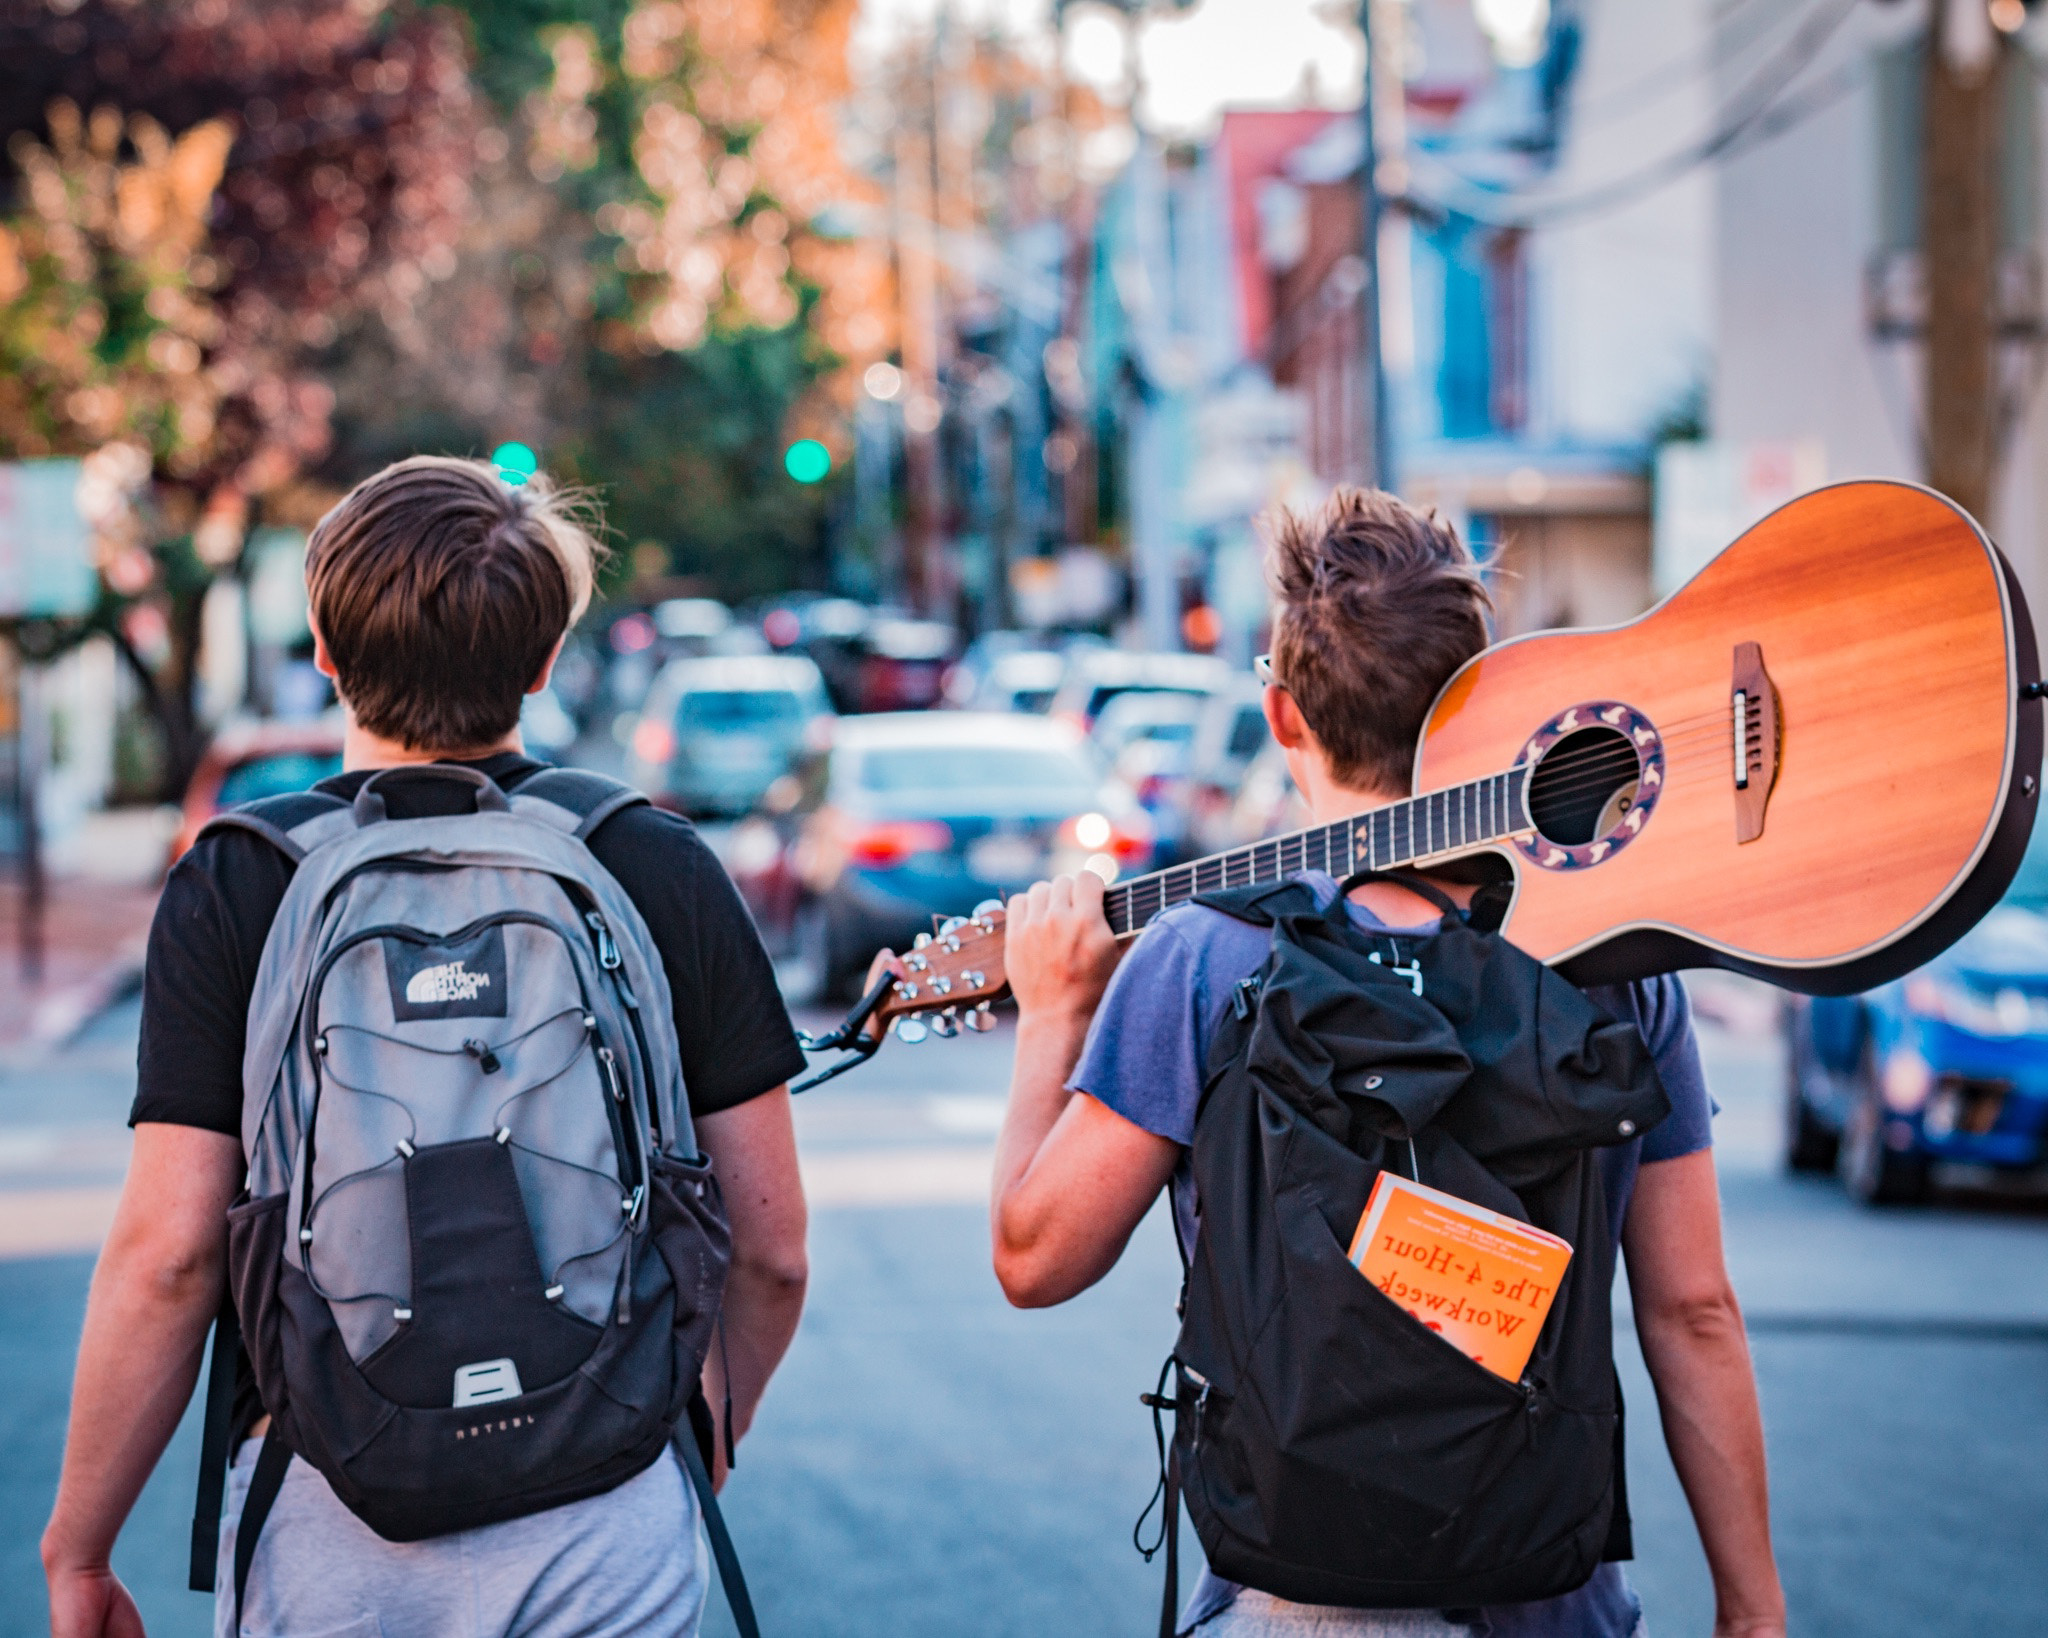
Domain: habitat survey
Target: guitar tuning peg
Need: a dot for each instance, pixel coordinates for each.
(946, 1026)
(987, 907)
(952, 924)
(919, 942)
(980, 1020)
(911, 1031)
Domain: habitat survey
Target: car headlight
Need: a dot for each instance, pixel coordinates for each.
(1906, 1080)
(2000, 1013)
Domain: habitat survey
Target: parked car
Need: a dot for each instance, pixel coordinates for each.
(250, 760)
(1095, 676)
(916, 815)
(1939, 1076)
(715, 734)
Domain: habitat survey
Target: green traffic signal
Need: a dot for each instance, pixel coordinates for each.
(515, 463)
(807, 460)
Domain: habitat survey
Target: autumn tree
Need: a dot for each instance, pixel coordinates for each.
(204, 197)
(713, 310)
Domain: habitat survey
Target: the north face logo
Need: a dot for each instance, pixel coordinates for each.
(447, 978)
(452, 981)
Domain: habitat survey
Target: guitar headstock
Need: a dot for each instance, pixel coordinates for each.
(953, 974)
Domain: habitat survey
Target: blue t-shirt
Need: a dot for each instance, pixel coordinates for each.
(1144, 1058)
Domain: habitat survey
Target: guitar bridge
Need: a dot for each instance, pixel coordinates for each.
(1758, 735)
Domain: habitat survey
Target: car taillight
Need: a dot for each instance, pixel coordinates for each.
(884, 844)
(653, 742)
(1124, 840)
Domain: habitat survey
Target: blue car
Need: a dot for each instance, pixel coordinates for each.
(1941, 1076)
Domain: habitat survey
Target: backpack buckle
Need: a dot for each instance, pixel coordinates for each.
(1412, 972)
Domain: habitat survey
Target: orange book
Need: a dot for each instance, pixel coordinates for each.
(1481, 1281)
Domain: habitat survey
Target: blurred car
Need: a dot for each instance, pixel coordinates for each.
(1024, 681)
(714, 734)
(1941, 1076)
(903, 664)
(1095, 676)
(915, 815)
(251, 760)
(1267, 803)
(827, 629)
(1145, 738)
(545, 726)
(1230, 733)
(1013, 670)
(685, 626)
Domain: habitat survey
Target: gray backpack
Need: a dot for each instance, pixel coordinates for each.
(479, 1260)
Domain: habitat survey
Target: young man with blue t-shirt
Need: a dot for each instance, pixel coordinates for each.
(1377, 606)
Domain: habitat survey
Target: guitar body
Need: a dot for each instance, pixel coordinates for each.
(1886, 784)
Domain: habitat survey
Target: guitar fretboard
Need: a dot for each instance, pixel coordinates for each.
(1402, 833)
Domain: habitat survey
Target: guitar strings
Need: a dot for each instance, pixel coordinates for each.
(1575, 774)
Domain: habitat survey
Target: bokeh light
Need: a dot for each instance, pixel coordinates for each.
(807, 460)
(515, 463)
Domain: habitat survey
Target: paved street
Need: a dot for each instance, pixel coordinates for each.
(932, 1463)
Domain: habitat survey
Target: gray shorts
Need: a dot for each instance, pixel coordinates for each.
(630, 1561)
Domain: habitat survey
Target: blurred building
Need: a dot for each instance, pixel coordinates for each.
(1531, 363)
(1820, 288)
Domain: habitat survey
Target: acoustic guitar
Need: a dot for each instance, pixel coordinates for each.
(1816, 763)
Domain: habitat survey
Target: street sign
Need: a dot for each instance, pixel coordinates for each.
(46, 566)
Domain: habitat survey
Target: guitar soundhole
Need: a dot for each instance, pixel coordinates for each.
(1584, 787)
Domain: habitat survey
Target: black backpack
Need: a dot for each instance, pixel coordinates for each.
(1331, 1448)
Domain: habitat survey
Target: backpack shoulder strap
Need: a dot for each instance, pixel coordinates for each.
(1261, 905)
(293, 824)
(573, 799)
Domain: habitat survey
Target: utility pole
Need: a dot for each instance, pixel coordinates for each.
(1378, 441)
(917, 288)
(1960, 204)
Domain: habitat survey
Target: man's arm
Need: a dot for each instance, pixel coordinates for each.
(1073, 1178)
(753, 1146)
(154, 1292)
(1690, 1327)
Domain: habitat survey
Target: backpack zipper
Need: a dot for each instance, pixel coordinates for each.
(613, 963)
(636, 1185)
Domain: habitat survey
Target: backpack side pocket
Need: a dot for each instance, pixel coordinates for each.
(256, 1231)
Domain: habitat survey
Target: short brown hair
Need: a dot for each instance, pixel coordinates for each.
(439, 590)
(1378, 605)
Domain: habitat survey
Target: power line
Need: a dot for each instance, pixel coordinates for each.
(1754, 104)
(1652, 83)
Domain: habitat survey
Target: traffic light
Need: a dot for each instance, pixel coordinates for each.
(515, 463)
(807, 460)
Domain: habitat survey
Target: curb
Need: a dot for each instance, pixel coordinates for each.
(64, 1015)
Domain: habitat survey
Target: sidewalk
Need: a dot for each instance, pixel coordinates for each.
(94, 933)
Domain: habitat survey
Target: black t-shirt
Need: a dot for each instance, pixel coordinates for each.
(221, 898)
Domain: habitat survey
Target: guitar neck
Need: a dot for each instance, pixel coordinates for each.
(1441, 823)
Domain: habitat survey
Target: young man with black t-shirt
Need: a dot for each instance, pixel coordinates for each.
(439, 597)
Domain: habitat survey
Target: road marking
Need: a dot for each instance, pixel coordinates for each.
(966, 1114)
(53, 1222)
(932, 1175)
